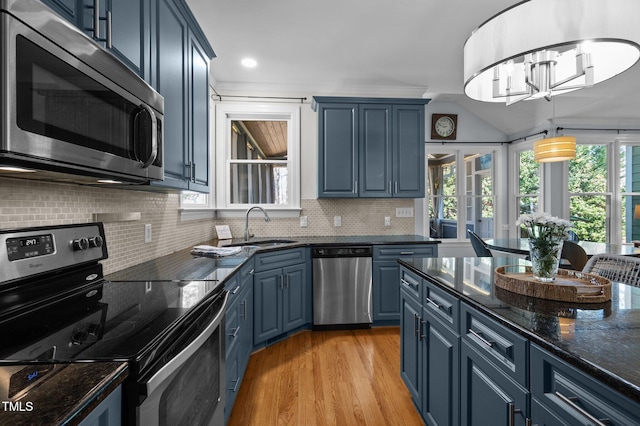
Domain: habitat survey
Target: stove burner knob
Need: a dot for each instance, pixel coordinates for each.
(96, 241)
(80, 244)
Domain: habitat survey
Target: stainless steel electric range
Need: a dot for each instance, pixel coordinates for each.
(56, 307)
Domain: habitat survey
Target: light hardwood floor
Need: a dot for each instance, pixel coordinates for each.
(327, 378)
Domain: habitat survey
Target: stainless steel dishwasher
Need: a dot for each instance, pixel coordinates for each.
(342, 287)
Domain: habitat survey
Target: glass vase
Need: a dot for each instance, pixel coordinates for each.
(545, 258)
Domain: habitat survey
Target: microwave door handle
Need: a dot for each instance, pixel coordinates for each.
(154, 140)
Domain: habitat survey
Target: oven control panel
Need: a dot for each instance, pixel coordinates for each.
(32, 251)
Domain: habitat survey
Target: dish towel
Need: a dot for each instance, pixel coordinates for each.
(215, 251)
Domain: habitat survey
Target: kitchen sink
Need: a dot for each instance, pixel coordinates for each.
(262, 243)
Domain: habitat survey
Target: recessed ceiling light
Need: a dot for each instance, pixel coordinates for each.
(108, 181)
(249, 62)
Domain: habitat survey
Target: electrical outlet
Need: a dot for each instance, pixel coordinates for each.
(337, 221)
(304, 222)
(147, 233)
(387, 221)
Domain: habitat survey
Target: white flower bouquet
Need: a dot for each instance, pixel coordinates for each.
(546, 236)
(543, 226)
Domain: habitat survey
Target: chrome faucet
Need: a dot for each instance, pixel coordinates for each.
(247, 235)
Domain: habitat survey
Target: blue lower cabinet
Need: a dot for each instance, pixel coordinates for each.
(441, 363)
(386, 292)
(281, 301)
(108, 412)
(410, 345)
(386, 278)
(239, 331)
(565, 395)
(489, 397)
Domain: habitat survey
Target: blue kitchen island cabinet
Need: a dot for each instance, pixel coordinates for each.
(429, 352)
(370, 147)
(521, 360)
(282, 294)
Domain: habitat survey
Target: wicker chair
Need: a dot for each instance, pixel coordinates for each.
(624, 269)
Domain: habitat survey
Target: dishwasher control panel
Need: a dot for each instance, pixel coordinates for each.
(343, 251)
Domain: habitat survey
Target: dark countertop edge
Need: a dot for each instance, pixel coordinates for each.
(96, 395)
(69, 395)
(300, 242)
(606, 377)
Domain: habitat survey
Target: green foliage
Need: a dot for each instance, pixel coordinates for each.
(587, 174)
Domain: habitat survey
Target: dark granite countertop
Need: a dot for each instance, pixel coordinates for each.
(183, 266)
(601, 339)
(66, 395)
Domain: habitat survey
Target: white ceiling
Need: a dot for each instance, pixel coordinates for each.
(404, 48)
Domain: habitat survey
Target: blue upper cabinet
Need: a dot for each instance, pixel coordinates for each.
(161, 41)
(120, 26)
(370, 147)
(68, 9)
(408, 151)
(375, 153)
(180, 56)
(338, 150)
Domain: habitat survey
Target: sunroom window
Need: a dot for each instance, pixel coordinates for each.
(257, 157)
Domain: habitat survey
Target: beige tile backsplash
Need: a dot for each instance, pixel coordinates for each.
(26, 203)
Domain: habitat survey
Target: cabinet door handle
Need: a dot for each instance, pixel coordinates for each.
(482, 339)
(406, 253)
(235, 386)
(193, 172)
(415, 324)
(408, 284)
(512, 414)
(235, 332)
(109, 27)
(430, 301)
(570, 402)
(421, 336)
(251, 272)
(244, 309)
(96, 19)
(235, 290)
(395, 187)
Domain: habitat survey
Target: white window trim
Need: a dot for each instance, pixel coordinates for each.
(498, 171)
(225, 113)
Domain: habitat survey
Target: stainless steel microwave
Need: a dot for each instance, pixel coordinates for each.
(71, 110)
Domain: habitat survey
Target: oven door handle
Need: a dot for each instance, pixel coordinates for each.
(174, 364)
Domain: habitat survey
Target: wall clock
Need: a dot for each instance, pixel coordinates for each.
(444, 126)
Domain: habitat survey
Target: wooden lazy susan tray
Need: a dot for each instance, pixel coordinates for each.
(569, 286)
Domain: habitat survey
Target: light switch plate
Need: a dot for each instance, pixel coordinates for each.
(404, 212)
(337, 221)
(304, 222)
